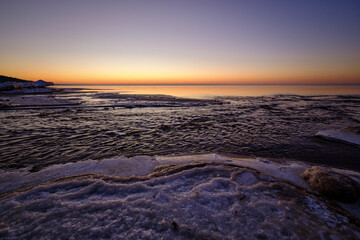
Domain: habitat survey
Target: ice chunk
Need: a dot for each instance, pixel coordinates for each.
(349, 135)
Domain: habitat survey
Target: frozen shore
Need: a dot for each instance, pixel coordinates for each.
(179, 197)
(57, 180)
(17, 95)
(70, 97)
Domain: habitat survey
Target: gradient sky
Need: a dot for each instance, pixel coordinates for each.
(181, 41)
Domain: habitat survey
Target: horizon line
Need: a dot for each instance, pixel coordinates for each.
(215, 84)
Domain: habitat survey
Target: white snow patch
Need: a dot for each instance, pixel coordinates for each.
(290, 171)
(347, 135)
(38, 100)
(122, 167)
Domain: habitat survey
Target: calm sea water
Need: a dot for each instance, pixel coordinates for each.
(277, 122)
(209, 91)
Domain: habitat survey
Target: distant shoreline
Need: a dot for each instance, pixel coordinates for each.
(90, 84)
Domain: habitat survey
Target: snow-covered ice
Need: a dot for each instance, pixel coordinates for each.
(142, 165)
(348, 135)
(206, 196)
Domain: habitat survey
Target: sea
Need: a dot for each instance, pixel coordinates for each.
(271, 121)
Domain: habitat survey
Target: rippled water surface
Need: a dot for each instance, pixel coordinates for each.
(274, 126)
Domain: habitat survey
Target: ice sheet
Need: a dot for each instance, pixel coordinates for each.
(143, 165)
(188, 201)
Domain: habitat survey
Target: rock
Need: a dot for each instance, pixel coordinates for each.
(165, 128)
(175, 226)
(331, 184)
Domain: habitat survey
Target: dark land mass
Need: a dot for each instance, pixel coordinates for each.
(4, 79)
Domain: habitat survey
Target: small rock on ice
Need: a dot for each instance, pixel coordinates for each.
(331, 184)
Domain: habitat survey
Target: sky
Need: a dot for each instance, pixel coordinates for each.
(181, 41)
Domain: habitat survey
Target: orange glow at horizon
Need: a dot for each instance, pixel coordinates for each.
(151, 70)
(106, 79)
(266, 76)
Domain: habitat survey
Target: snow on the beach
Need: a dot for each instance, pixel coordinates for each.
(348, 135)
(206, 196)
(30, 90)
(184, 201)
(123, 167)
(105, 100)
(33, 101)
(17, 87)
(144, 100)
(141, 166)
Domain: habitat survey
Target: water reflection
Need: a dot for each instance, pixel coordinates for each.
(208, 91)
